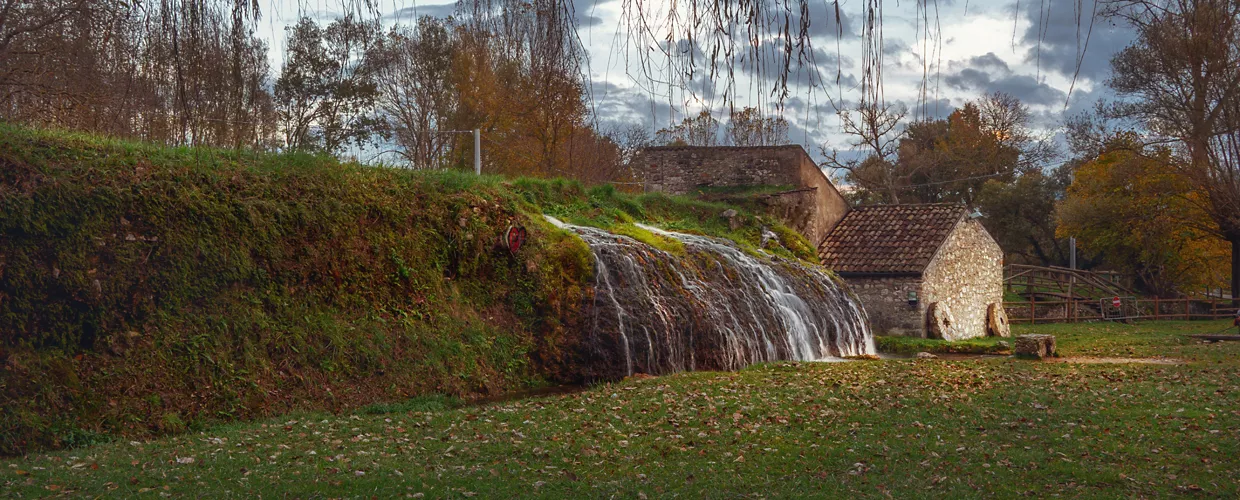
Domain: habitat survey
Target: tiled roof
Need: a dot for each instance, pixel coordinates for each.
(889, 238)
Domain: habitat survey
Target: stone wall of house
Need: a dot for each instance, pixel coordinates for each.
(680, 169)
(885, 300)
(967, 275)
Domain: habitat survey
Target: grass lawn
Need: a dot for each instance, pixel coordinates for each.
(904, 428)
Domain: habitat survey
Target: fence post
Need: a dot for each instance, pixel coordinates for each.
(1213, 308)
(1186, 315)
(1157, 309)
(1033, 312)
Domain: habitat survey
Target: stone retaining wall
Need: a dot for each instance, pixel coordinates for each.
(680, 169)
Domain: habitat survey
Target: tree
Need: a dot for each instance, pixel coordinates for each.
(631, 139)
(326, 94)
(1129, 210)
(876, 136)
(701, 130)
(748, 127)
(413, 71)
(1021, 216)
(1181, 80)
(941, 161)
(177, 72)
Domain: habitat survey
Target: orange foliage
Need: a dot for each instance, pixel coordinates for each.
(1141, 216)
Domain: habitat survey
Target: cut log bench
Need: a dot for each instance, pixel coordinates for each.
(1035, 346)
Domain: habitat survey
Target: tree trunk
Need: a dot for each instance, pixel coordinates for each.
(1235, 270)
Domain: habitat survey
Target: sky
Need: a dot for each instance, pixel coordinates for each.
(1029, 49)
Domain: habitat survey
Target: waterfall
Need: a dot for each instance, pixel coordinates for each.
(714, 307)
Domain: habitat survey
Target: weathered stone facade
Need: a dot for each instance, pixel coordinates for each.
(680, 169)
(967, 275)
(885, 299)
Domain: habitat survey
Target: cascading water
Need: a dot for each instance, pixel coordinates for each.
(713, 308)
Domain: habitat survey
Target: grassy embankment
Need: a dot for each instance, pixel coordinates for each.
(903, 428)
(147, 290)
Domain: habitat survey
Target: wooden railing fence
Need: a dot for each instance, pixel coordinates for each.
(1131, 308)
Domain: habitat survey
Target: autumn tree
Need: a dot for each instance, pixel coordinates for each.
(1138, 216)
(942, 161)
(1181, 80)
(176, 72)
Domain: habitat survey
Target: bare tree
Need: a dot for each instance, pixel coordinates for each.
(701, 130)
(747, 127)
(413, 72)
(876, 136)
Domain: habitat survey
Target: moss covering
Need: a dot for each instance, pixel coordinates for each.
(147, 289)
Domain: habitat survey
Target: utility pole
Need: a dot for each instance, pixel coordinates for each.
(1072, 243)
(1072, 277)
(477, 145)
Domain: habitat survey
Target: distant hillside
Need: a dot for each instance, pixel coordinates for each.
(146, 289)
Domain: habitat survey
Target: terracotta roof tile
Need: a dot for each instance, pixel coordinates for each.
(889, 238)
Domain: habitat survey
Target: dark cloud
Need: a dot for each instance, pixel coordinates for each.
(931, 109)
(618, 105)
(585, 12)
(1055, 46)
(814, 68)
(895, 47)
(823, 20)
(409, 14)
(989, 62)
(989, 73)
(701, 87)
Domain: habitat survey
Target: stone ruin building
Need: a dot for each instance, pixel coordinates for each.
(926, 270)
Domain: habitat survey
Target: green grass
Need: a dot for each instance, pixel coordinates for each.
(901, 428)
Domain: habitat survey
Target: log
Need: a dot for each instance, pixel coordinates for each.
(1035, 345)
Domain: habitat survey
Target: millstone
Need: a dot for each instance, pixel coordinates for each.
(997, 321)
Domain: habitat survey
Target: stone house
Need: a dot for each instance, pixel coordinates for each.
(925, 270)
(812, 205)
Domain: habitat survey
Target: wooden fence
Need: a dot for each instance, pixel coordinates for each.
(1131, 308)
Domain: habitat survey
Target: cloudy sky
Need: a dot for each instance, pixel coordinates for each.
(1028, 49)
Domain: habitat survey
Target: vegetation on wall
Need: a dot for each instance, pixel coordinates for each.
(146, 289)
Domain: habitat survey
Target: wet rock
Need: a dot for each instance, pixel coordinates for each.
(926, 355)
(1035, 345)
(768, 236)
(733, 217)
(682, 317)
(1003, 344)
